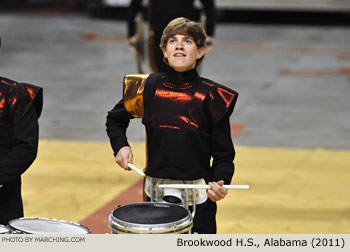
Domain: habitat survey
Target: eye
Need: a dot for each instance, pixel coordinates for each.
(171, 41)
(188, 41)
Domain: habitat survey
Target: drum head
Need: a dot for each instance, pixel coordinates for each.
(150, 213)
(47, 226)
(151, 217)
(4, 230)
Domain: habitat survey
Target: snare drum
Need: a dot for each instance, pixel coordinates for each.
(150, 218)
(4, 230)
(30, 225)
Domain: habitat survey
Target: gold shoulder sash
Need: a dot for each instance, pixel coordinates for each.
(134, 85)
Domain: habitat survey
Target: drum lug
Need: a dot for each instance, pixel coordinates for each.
(117, 206)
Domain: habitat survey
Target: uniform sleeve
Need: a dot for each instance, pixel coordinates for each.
(220, 103)
(25, 146)
(23, 97)
(223, 151)
(131, 106)
(210, 12)
(118, 120)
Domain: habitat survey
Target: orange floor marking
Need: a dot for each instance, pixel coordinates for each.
(236, 129)
(93, 36)
(98, 221)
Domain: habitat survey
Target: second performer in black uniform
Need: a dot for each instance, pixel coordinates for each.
(20, 108)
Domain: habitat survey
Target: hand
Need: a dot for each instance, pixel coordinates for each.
(216, 191)
(123, 157)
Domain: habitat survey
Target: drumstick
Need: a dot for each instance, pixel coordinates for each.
(133, 167)
(199, 186)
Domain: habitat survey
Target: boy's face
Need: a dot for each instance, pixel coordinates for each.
(182, 53)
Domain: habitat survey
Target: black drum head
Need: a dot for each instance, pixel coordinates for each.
(150, 213)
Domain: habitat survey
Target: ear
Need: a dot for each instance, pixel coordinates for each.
(201, 52)
(164, 52)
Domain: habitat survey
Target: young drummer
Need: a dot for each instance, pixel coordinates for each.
(186, 119)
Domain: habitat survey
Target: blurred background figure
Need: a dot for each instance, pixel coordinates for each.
(159, 13)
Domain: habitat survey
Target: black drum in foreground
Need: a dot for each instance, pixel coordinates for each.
(150, 218)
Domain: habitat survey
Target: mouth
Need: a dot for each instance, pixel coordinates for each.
(179, 55)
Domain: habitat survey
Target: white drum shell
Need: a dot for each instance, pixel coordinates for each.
(36, 225)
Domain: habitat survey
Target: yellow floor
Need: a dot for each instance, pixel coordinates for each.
(292, 190)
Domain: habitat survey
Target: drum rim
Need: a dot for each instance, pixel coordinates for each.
(169, 227)
(5, 228)
(177, 230)
(183, 224)
(151, 203)
(45, 219)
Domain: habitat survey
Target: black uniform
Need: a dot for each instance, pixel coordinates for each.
(187, 123)
(160, 13)
(20, 108)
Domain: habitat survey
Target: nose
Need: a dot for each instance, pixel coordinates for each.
(179, 44)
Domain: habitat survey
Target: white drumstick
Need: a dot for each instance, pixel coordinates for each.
(133, 167)
(199, 186)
